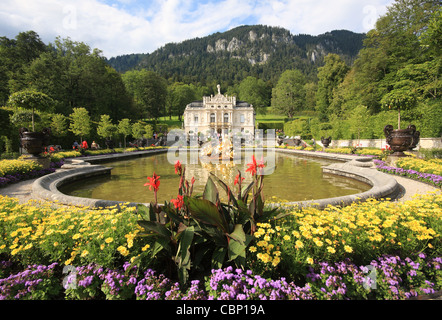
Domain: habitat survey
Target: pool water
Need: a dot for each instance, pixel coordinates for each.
(294, 178)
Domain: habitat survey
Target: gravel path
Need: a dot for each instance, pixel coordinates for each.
(20, 190)
(412, 187)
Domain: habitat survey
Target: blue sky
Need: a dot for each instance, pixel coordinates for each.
(133, 26)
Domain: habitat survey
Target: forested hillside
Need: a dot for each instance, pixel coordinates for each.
(229, 57)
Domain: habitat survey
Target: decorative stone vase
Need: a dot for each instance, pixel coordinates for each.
(34, 142)
(326, 141)
(401, 140)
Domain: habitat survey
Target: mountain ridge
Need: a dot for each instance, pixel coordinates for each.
(256, 50)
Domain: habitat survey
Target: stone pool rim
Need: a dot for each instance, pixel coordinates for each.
(351, 166)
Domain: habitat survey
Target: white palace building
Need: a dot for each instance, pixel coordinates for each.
(219, 114)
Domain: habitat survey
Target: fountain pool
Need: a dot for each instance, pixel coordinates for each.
(295, 178)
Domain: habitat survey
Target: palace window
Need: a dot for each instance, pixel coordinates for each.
(226, 117)
(212, 117)
(243, 118)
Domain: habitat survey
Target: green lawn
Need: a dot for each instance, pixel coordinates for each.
(270, 116)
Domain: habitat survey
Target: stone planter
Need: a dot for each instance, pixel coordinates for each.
(401, 140)
(34, 142)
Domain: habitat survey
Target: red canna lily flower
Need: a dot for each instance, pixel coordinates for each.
(154, 182)
(178, 202)
(253, 166)
(178, 167)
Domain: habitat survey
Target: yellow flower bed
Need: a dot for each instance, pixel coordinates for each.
(343, 150)
(433, 166)
(359, 231)
(118, 150)
(370, 151)
(361, 151)
(9, 167)
(66, 154)
(41, 233)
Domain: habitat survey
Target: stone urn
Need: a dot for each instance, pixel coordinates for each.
(401, 140)
(326, 141)
(34, 142)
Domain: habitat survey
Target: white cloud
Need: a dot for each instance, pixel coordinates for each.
(132, 26)
(320, 16)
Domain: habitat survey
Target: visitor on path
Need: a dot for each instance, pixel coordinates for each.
(94, 145)
(75, 145)
(84, 144)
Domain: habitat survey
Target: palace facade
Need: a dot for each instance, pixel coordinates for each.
(219, 114)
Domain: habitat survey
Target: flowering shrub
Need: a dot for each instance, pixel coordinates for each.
(84, 282)
(117, 150)
(229, 284)
(433, 166)
(388, 277)
(66, 154)
(23, 167)
(12, 171)
(360, 232)
(430, 178)
(36, 282)
(342, 150)
(71, 236)
(17, 177)
(358, 151)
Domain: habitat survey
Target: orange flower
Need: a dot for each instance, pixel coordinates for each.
(178, 202)
(253, 166)
(178, 167)
(154, 182)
